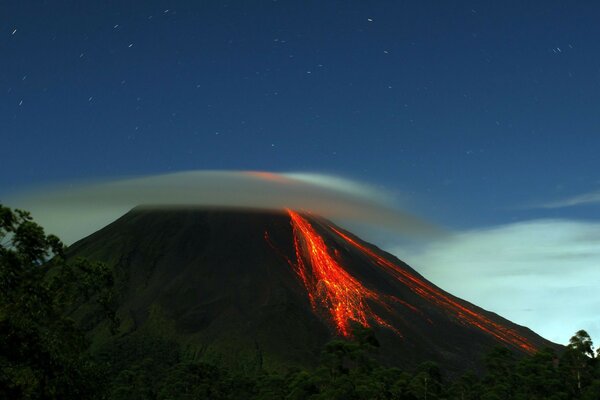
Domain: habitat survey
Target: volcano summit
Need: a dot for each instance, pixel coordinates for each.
(272, 288)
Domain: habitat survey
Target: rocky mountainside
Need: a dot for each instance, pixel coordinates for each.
(271, 288)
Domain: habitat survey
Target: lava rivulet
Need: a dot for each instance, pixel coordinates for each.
(434, 295)
(332, 287)
(328, 284)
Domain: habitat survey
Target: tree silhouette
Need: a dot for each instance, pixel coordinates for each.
(42, 351)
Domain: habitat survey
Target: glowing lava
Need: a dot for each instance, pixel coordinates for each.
(328, 284)
(332, 288)
(434, 295)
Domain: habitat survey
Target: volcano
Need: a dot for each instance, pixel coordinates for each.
(271, 288)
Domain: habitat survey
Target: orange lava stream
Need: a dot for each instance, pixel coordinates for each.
(434, 295)
(328, 284)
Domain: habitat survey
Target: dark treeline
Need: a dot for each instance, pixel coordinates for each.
(44, 353)
(154, 369)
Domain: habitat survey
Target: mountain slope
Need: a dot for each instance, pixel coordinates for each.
(270, 288)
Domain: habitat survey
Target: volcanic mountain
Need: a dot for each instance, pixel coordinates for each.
(271, 288)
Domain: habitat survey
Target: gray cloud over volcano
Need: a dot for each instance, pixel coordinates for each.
(74, 210)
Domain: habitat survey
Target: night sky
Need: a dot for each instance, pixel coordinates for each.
(482, 117)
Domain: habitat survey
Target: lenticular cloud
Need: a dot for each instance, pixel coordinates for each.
(75, 210)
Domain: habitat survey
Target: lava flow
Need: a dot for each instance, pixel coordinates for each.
(434, 295)
(328, 284)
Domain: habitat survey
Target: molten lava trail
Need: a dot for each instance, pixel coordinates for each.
(436, 296)
(328, 284)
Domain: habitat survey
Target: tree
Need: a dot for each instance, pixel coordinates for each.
(195, 380)
(582, 343)
(499, 382)
(577, 361)
(42, 351)
(538, 376)
(467, 387)
(427, 382)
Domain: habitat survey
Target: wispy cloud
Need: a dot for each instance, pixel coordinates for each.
(544, 274)
(579, 200)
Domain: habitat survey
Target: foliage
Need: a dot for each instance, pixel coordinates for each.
(348, 371)
(42, 350)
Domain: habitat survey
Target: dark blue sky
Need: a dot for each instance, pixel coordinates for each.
(471, 109)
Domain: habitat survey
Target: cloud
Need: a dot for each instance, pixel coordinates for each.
(73, 211)
(579, 200)
(544, 274)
